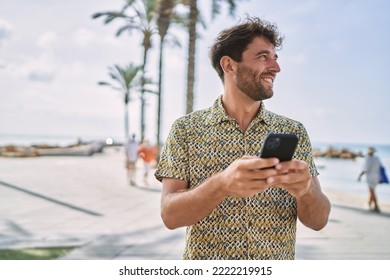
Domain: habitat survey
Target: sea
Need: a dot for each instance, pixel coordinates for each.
(335, 174)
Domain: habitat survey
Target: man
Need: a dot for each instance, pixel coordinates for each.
(235, 204)
(131, 151)
(371, 169)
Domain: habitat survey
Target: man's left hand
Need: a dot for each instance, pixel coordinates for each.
(294, 176)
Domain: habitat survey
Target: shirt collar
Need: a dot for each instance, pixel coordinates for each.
(218, 114)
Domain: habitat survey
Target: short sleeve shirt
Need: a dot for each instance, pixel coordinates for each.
(206, 142)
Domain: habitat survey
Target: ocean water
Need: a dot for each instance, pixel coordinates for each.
(336, 174)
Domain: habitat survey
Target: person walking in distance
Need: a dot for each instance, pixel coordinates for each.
(148, 154)
(371, 169)
(235, 204)
(131, 151)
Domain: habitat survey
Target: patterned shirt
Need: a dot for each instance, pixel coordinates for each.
(262, 226)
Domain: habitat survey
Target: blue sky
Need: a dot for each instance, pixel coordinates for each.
(334, 62)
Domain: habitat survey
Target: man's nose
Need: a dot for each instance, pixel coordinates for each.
(274, 67)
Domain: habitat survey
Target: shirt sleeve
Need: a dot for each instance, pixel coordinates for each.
(304, 150)
(174, 157)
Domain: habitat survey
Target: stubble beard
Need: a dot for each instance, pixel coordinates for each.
(248, 81)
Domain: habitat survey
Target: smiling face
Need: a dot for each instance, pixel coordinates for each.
(256, 72)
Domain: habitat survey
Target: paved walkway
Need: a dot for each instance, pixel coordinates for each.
(85, 202)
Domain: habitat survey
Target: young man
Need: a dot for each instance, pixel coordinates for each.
(235, 204)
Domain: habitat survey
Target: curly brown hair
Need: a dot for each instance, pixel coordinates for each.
(235, 40)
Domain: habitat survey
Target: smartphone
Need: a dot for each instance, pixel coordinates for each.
(281, 146)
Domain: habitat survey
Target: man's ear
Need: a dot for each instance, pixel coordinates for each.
(228, 65)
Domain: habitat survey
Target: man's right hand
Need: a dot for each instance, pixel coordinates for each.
(247, 176)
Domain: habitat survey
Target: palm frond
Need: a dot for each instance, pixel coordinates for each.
(102, 83)
(122, 29)
(127, 78)
(173, 41)
(216, 7)
(109, 16)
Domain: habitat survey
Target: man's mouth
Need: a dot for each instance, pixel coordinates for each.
(269, 80)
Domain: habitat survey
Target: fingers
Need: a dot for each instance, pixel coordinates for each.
(289, 178)
(255, 163)
(290, 172)
(292, 165)
(263, 174)
(293, 176)
(250, 175)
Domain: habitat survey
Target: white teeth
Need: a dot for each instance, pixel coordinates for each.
(268, 80)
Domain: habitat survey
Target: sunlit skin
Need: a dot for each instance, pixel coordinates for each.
(249, 81)
(257, 71)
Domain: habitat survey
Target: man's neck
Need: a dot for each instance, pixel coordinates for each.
(241, 107)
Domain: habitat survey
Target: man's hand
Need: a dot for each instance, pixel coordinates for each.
(294, 176)
(248, 175)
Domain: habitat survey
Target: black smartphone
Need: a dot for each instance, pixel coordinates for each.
(281, 146)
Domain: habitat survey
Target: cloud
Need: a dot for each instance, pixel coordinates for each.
(47, 40)
(40, 76)
(6, 30)
(83, 37)
(39, 69)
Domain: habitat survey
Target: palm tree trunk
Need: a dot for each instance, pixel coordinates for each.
(191, 55)
(165, 11)
(159, 97)
(126, 123)
(142, 115)
(143, 95)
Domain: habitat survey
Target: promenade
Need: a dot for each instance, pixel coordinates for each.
(85, 202)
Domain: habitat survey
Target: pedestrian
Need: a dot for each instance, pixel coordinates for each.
(371, 169)
(131, 151)
(148, 154)
(235, 204)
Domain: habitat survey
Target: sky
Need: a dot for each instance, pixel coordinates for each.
(334, 68)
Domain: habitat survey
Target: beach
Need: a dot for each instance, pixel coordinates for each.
(86, 202)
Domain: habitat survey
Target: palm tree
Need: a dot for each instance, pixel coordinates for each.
(141, 18)
(165, 14)
(126, 79)
(193, 19)
(192, 33)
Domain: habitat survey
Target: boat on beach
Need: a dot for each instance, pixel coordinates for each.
(84, 149)
(80, 150)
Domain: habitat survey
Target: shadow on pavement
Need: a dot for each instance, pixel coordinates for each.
(53, 200)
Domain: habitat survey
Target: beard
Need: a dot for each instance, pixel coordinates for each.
(250, 83)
